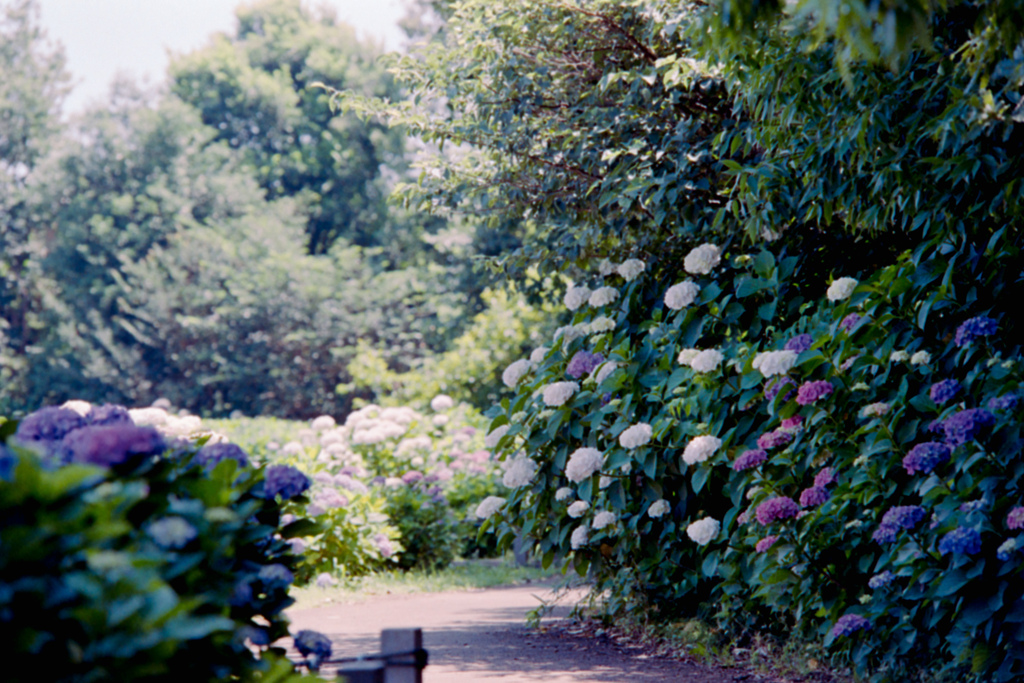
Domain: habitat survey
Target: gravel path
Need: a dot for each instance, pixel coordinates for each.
(482, 636)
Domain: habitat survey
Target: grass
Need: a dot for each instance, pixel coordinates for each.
(463, 575)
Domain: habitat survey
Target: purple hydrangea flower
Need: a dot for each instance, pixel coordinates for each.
(775, 509)
(749, 459)
(776, 385)
(851, 321)
(937, 427)
(276, 575)
(981, 326)
(210, 455)
(849, 624)
(284, 480)
(941, 392)
(811, 392)
(792, 424)
(412, 476)
(924, 457)
(110, 445)
(1015, 519)
(108, 414)
(765, 543)
(799, 343)
(45, 428)
(973, 506)
(813, 496)
(583, 363)
(961, 540)
(881, 580)
(896, 518)
(1007, 402)
(965, 425)
(313, 643)
(826, 476)
(774, 439)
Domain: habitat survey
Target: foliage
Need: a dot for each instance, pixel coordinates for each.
(152, 569)
(426, 526)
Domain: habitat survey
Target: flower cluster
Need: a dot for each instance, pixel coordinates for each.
(1006, 549)
(681, 295)
(489, 506)
(602, 296)
(850, 322)
(636, 435)
(557, 393)
(974, 328)
(765, 543)
(703, 531)
(171, 532)
(825, 476)
(878, 409)
(940, 392)
(659, 508)
(813, 496)
(775, 509)
(583, 463)
(774, 439)
(563, 493)
(965, 425)
(811, 392)
(583, 363)
(578, 509)
(841, 289)
(700, 449)
(284, 481)
(707, 360)
(630, 269)
(1015, 518)
(578, 538)
(770, 363)
(895, 519)
(603, 519)
(1007, 402)
(520, 472)
(441, 403)
(749, 459)
(774, 387)
(881, 580)
(495, 436)
(849, 624)
(961, 541)
(924, 457)
(702, 260)
(799, 343)
(576, 297)
(110, 444)
(213, 453)
(515, 372)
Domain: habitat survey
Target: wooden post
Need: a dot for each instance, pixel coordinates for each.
(395, 640)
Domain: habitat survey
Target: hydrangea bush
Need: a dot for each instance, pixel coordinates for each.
(776, 447)
(131, 555)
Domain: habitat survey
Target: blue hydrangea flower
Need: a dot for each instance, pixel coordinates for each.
(312, 643)
(881, 580)
(583, 363)
(276, 575)
(961, 541)
(241, 596)
(108, 414)
(851, 321)
(799, 343)
(924, 457)
(1007, 402)
(849, 624)
(111, 444)
(172, 532)
(941, 392)
(973, 506)
(897, 518)
(284, 480)
(210, 455)
(257, 636)
(965, 425)
(44, 429)
(776, 385)
(974, 328)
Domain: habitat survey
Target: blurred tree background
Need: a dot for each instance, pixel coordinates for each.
(226, 242)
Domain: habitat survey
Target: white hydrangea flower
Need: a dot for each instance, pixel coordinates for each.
(569, 333)
(323, 423)
(701, 260)
(492, 439)
(605, 267)
(921, 358)
(774, 362)
(899, 357)
(602, 296)
(557, 393)
(439, 420)
(488, 506)
(79, 406)
(604, 370)
(700, 449)
(681, 295)
(631, 268)
(578, 509)
(579, 537)
(564, 493)
(517, 418)
(636, 436)
(769, 235)
(686, 356)
(441, 402)
(707, 360)
(515, 372)
(659, 508)
(603, 519)
(874, 410)
(841, 289)
(520, 472)
(753, 491)
(601, 324)
(604, 481)
(576, 297)
(537, 357)
(583, 463)
(703, 531)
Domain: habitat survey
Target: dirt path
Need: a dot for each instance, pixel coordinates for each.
(482, 636)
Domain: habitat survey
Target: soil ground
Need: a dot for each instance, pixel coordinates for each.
(482, 636)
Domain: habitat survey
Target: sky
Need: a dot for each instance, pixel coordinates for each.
(104, 37)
